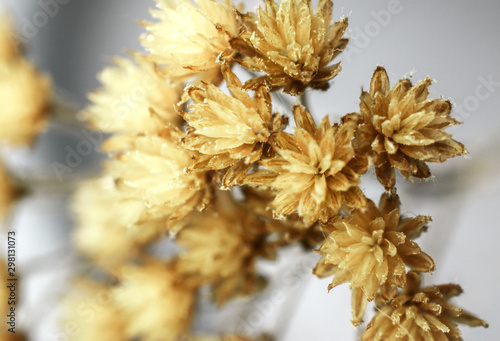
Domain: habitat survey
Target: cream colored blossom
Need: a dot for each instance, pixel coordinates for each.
(91, 313)
(190, 35)
(226, 129)
(110, 227)
(315, 171)
(221, 246)
(25, 97)
(370, 248)
(402, 129)
(420, 314)
(135, 98)
(156, 304)
(292, 44)
(8, 193)
(154, 172)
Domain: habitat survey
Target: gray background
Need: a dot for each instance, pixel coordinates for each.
(455, 42)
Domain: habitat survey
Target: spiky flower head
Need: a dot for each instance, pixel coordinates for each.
(156, 304)
(25, 94)
(315, 170)
(292, 44)
(221, 246)
(371, 247)
(135, 98)
(108, 222)
(91, 313)
(402, 129)
(190, 35)
(227, 129)
(153, 171)
(420, 314)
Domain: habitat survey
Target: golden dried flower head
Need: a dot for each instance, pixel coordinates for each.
(8, 193)
(420, 314)
(108, 224)
(402, 129)
(156, 304)
(190, 35)
(135, 98)
(221, 245)
(25, 95)
(371, 247)
(153, 171)
(315, 171)
(91, 313)
(226, 129)
(292, 45)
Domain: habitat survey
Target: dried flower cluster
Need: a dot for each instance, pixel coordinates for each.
(217, 171)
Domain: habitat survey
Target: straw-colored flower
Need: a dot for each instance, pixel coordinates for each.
(371, 247)
(153, 171)
(135, 98)
(156, 304)
(402, 129)
(91, 313)
(110, 228)
(292, 45)
(226, 129)
(190, 36)
(315, 171)
(420, 314)
(25, 97)
(220, 248)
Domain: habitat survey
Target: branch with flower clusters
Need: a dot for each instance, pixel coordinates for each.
(178, 156)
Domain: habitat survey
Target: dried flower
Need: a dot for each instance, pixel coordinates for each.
(107, 223)
(135, 99)
(226, 129)
(153, 171)
(25, 95)
(221, 247)
(420, 314)
(402, 129)
(292, 45)
(370, 248)
(189, 38)
(315, 171)
(156, 305)
(92, 313)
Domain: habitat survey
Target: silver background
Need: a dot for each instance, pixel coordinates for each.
(455, 42)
